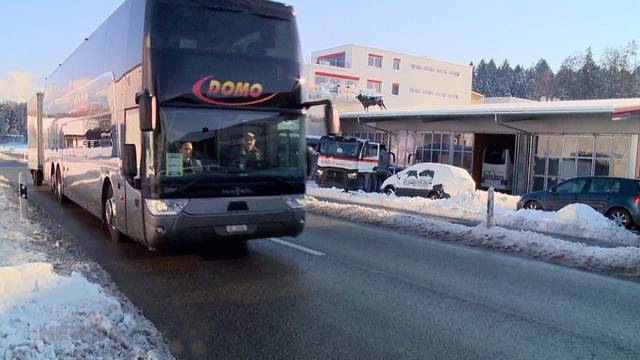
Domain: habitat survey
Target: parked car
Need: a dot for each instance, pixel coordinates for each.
(430, 180)
(617, 198)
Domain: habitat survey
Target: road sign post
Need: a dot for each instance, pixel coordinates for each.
(490, 207)
(22, 194)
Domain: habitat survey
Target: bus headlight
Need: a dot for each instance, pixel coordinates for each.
(294, 201)
(319, 172)
(352, 175)
(165, 206)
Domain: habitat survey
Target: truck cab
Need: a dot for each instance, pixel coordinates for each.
(352, 163)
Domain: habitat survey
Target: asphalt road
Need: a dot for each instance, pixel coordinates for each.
(362, 292)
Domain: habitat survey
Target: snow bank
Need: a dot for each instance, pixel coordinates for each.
(574, 220)
(44, 315)
(13, 148)
(620, 260)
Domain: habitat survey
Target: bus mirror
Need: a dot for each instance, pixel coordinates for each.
(331, 119)
(129, 159)
(143, 99)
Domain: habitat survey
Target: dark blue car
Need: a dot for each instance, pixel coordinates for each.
(617, 198)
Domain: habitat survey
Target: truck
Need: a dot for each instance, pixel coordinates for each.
(497, 169)
(181, 120)
(352, 163)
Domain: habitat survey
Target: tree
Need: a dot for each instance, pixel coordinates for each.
(503, 79)
(588, 77)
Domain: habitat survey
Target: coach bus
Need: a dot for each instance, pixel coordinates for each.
(179, 119)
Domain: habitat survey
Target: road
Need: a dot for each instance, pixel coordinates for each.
(355, 291)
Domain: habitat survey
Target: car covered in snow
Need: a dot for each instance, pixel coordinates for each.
(617, 198)
(431, 180)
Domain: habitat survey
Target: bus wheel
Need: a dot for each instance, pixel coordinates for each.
(109, 216)
(37, 177)
(59, 186)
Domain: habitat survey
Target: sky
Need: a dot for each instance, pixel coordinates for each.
(39, 34)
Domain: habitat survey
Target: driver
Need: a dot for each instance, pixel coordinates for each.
(189, 164)
(250, 156)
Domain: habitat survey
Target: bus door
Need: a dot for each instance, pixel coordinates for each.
(133, 198)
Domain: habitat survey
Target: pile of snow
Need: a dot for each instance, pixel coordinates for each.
(574, 220)
(13, 148)
(45, 315)
(619, 260)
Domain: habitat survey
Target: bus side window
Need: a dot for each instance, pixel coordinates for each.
(132, 132)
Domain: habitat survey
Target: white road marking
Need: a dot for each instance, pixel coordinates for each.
(296, 246)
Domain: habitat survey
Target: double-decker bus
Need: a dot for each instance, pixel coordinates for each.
(179, 119)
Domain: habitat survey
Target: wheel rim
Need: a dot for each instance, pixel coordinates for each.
(109, 206)
(533, 206)
(620, 218)
(59, 186)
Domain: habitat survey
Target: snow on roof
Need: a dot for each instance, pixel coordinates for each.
(598, 106)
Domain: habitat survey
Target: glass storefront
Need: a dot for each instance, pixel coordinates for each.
(560, 157)
(444, 147)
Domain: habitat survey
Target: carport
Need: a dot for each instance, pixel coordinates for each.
(549, 141)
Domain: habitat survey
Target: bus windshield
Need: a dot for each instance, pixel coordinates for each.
(199, 152)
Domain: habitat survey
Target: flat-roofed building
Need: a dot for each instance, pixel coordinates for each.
(403, 80)
(548, 142)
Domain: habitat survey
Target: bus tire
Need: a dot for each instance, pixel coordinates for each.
(59, 187)
(37, 177)
(109, 215)
(52, 179)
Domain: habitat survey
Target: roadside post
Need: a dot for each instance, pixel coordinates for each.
(22, 193)
(490, 207)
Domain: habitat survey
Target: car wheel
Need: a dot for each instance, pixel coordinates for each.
(621, 217)
(390, 190)
(533, 205)
(433, 196)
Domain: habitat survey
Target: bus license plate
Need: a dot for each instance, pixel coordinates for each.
(236, 228)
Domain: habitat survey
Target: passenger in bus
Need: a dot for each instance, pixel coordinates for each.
(190, 165)
(249, 157)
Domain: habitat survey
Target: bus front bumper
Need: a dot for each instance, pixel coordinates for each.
(165, 230)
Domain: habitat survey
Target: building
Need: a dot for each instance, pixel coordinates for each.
(343, 72)
(549, 141)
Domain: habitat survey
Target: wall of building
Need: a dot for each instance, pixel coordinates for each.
(421, 81)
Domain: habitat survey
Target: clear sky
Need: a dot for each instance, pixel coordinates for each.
(38, 34)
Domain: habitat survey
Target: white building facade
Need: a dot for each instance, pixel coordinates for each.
(403, 81)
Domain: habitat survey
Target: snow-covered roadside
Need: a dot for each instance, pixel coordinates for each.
(620, 260)
(48, 308)
(575, 220)
(13, 148)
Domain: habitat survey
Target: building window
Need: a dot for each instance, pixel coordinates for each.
(562, 157)
(446, 148)
(374, 86)
(396, 64)
(336, 84)
(395, 89)
(375, 60)
(337, 60)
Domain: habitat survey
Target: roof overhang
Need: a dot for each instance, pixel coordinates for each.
(513, 114)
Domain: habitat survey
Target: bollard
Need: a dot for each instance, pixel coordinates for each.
(490, 207)
(22, 193)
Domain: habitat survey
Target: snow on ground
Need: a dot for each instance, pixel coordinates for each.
(619, 260)
(48, 315)
(13, 148)
(574, 220)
